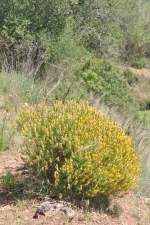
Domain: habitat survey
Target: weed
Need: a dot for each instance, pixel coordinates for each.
(115, 211)
(8, 180)
(139, 63)
(4, 143)
(130, 77)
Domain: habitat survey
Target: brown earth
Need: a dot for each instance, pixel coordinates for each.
(138, 72)
(141, 72)
(20, 211)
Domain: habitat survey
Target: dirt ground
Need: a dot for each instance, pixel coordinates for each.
(20, 210)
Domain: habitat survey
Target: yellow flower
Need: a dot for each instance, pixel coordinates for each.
(85, 151)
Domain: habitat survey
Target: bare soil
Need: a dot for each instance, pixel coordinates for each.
(20, 210)
(141, 72)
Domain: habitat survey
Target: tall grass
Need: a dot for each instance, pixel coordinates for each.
(4, 143)
(17, 88)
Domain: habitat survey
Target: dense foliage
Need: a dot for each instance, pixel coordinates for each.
(30, 31)
(107, 81)
(19, 19)
(78, 149)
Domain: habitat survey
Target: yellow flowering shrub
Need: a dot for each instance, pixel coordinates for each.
(78, 149)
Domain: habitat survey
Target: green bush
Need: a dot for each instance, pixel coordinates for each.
(79, 150)
(25, 29)
(94, 82)
(30, 18)
(8, 180)
(139, 63)
(131, 78)
(144, 117)
(108, 82)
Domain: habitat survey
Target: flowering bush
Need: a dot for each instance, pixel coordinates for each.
(78, 149)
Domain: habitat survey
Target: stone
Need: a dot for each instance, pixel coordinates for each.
(54, 207)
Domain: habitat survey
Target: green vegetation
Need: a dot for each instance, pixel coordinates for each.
(107, 81)
(8, 180)
(35, 33)
(144, 116)
(4, 143)
(73, 51)
(78, 150)
(139, 63)
(131, 78)
(19, 88)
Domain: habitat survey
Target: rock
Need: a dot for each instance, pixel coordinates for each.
(70, 213)
(54, 207)
(147, 201)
